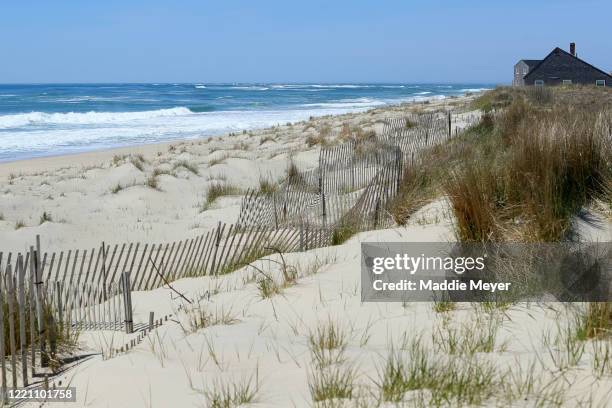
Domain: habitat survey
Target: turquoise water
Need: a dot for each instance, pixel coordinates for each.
(42, 120)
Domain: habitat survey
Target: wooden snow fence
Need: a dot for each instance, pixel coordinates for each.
(217, 251)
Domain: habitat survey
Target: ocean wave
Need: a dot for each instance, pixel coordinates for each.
(84, 118)
(250, 88)
(347, 103)
(473, 89)
(423, 93)
(200, 86)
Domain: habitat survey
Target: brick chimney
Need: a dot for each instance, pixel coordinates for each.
(573, 49)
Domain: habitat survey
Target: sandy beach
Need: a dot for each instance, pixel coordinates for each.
(104, 196)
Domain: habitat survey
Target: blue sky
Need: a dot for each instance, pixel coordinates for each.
(291, 41)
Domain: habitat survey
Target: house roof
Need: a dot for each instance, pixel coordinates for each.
(531, 62)
(557, 50)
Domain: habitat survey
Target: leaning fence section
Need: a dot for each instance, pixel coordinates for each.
(354, 180)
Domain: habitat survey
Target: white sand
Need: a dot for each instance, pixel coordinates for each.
(269, 338)
(77, 189)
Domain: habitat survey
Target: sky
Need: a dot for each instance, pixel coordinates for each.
(467, 41)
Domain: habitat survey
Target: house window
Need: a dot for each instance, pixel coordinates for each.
(600, 82)
(538, 82)
(567, 82)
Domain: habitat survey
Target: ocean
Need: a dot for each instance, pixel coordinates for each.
(42, 120)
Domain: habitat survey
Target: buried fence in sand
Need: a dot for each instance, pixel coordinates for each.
(43, 295)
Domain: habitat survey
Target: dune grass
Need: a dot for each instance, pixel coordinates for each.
(216, 190)
(267, 186)
(189, 166)
(45, 217)
(523, 172)
(327, 343)
(534, 171)
(435, 380)
(234, 393)
(332, 384)
(594, 321)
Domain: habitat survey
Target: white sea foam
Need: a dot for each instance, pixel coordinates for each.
(38, 134)
(348, 103)
(251, 88)
(84, 118)
(473, 90)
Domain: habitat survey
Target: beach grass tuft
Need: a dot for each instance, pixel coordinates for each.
(327, 343)
(117, 188)
(332, 383)
(267, 186)
(216, 190)
(233, 394)
(594, 321)
(189, 166)
(45, 217)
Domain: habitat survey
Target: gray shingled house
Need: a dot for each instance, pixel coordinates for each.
(559, 67)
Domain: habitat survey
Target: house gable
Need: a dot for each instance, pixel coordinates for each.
(560, 65)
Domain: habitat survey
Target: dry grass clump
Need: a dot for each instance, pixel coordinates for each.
(218, 160)
(233, 394)
(314, 140)
(595, 321)
(152, 182)
(534, 171)
(497, 98)
(265, 139)
(116, 188)
(432, 380)
(200, 317)
(138, 161)
(45, 217)
(476, 336)
(344, 230)
(19, 224)
(293, 175)
(216, 190)
(540, 95)
(267, 285)
(193, 168)
(356, 134)
(267, 186)
(62, 338)
(327, 343)
(118, 159)
(332, 384)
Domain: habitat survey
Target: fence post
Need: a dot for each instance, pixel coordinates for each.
(127, 303)
(324, 209)
(301, 237)
(398, 159)
(217, 243)
(104, 269)
(22, 322)
(10, 292)
(44, 361)
(376, 210)
(450, 121)
(274, 206)
(2, 345)
(151, 319)
(58, 296)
